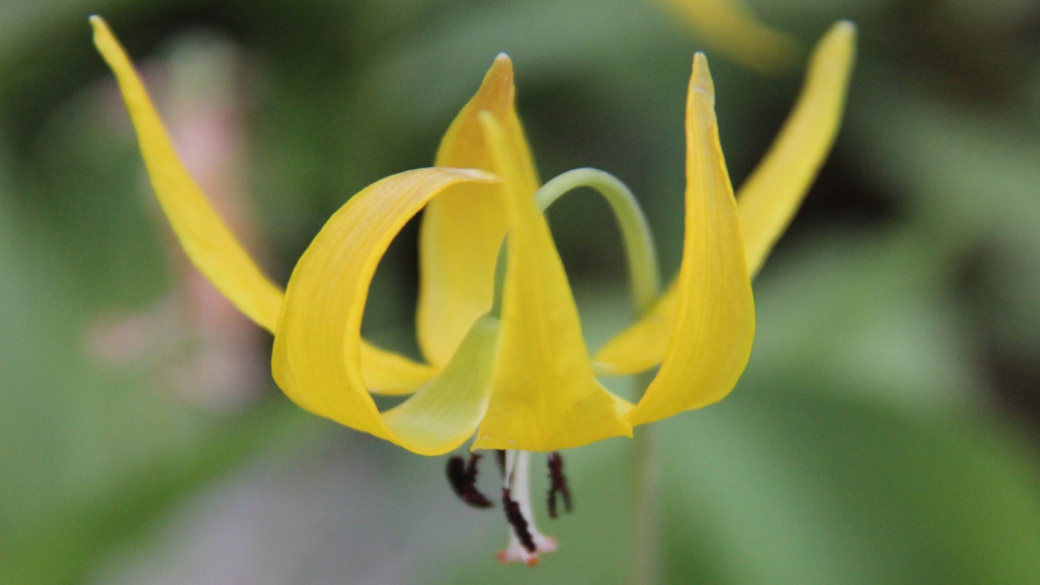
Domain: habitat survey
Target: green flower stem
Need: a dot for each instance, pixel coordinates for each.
(641, 254)
(646, 534)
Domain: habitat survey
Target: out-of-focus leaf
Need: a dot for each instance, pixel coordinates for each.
(972, 178)
(869, 317)
(776, 485)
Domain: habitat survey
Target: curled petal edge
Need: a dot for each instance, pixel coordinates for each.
(318, 346)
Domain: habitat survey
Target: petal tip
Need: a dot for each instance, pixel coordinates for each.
(837, 48)
(845, 28)
(99, 25)
(701, 80)
(840, 38)
(104, 40)
(501, 72)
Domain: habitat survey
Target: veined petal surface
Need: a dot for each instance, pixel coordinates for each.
(545, 396)
(768, 199)
(317, 347)
(714, 324)
(462, 230)
(206, 239)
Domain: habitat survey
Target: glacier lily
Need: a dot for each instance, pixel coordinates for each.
(506, 364)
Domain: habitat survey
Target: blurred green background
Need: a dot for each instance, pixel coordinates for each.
(886, 430)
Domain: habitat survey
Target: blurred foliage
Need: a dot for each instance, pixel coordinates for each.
(886, 428)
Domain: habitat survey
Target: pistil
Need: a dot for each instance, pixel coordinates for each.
(525, 541)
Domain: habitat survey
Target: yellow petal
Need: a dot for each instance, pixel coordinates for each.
(714, 323)
(730, 27)
(767, 200)
(204, 236)
(444, 414)
(317, 347)
(545, 396)
(771, 195)
(207, 240)
(462, 230)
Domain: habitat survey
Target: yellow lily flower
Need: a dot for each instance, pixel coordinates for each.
(515, 374)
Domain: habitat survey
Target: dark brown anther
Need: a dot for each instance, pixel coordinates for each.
(500, 457)
(517, 521)
(463, 480)
(557, 484)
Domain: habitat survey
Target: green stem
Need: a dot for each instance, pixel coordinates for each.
(640, 252)
(645, 519)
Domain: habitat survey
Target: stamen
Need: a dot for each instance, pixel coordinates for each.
(557, 484)
(463, 480)
(517, 520)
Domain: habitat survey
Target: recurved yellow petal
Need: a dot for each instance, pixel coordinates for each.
(206, 239)
(730, 27)
(462, 230)
(204, 236)
(714, 324)
(317, 347)
(443, 414)
(769, 198)
(545, 396)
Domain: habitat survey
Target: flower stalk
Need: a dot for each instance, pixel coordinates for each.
(640, 252)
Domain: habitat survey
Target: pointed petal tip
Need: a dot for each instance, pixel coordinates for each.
(104, 40)
(841, 34)
(501, 69)
(701, 80)
(838, 44)
(98, 24)
(844, 28)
